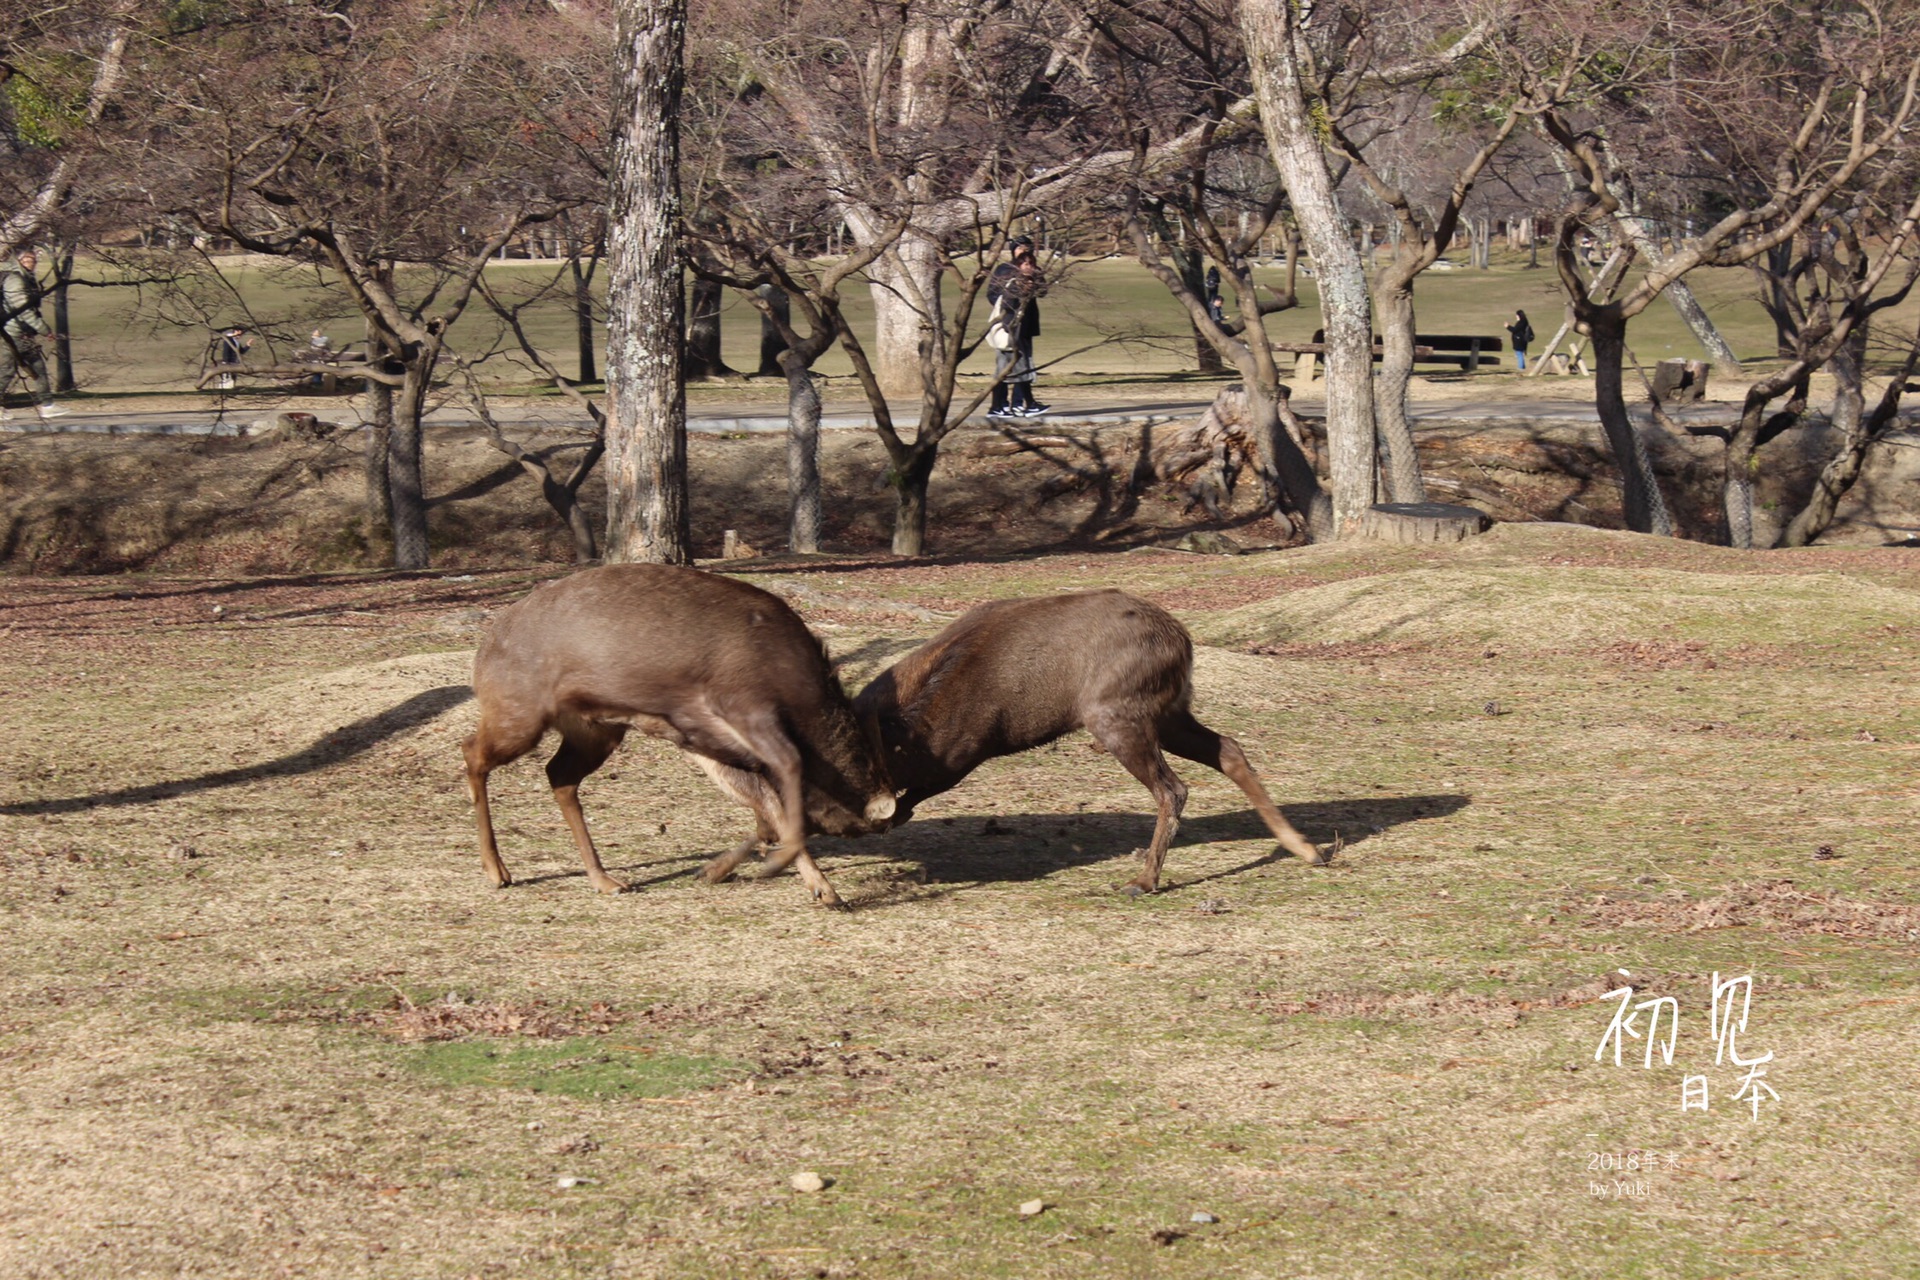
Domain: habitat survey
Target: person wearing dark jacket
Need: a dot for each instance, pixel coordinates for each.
(1013, 292)
(1522, 334)
(21, 329)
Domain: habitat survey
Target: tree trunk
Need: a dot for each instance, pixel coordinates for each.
(647, 515)
(379, 497)
(911, 479)
(905, 311)
(583, 328)
(62, 329)
(1284, 469)
(406, 478)
(803, 455)
(1270, 28)
(703, 333)
(1393, 308)
(1856, 437)
(771, 343)
(1780, 299)
(1736, 492)
(1646, 509)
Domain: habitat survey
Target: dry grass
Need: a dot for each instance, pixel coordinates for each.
(241, 886)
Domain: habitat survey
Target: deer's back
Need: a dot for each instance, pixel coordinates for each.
(644, 638)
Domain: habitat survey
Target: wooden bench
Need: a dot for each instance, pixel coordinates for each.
(338, 374)
(1468, 351)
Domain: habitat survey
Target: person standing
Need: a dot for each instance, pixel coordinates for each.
(229, 349)
(1013, 290)
(1522, 334)
(21, 329)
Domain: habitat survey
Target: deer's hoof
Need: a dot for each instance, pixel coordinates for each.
(609, 885)
(1134, 889)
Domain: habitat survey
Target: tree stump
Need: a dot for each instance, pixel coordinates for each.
(1409, 522)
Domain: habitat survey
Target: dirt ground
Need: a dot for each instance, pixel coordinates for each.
(260, 1014)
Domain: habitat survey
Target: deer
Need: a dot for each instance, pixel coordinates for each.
(1012, 675)
(723, 670)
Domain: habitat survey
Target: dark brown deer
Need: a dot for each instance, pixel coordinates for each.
(724, 671)
(1016, 674)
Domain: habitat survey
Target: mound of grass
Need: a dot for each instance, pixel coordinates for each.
(1541, 607)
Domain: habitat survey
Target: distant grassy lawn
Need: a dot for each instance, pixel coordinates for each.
(1116, 319)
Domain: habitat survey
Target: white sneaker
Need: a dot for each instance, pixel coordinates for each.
(52, 411)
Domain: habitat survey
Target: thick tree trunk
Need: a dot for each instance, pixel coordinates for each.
(647, 515)
(803, 456)
(1284, 469)
(406, 478)
(1393, 309)
(1646, 509)
(1270, 28)
(911, 479)
(906, 310)
(703, 333)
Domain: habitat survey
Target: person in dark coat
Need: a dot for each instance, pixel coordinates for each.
(1013, 291)
(1522, 334)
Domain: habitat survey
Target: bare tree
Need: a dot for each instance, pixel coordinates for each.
(387, 149)
(1843, 271)
(1819, 97)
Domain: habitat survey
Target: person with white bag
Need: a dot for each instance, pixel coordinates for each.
(1013, 292)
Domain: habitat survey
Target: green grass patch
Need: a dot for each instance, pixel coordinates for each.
(579, 1067)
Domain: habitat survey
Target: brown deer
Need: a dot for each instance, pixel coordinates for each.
(1016, 674)
(724, 671)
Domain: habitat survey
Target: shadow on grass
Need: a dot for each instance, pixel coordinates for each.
(977, 849)
(1034, 846)
(342, 744)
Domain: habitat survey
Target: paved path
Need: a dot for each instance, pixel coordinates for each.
(839, 415)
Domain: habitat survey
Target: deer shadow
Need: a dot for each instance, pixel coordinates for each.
(342, 744)
(970, 849)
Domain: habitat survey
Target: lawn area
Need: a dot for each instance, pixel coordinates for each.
(1106, 320)
(261, 1015)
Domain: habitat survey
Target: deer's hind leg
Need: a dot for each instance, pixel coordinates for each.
(584, 747)
(1188, 738)
(1134, 745)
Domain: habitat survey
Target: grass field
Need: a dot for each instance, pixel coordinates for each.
(260, 1014)
(1105, 320)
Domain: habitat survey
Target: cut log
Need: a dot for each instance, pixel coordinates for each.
(1422, 522)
